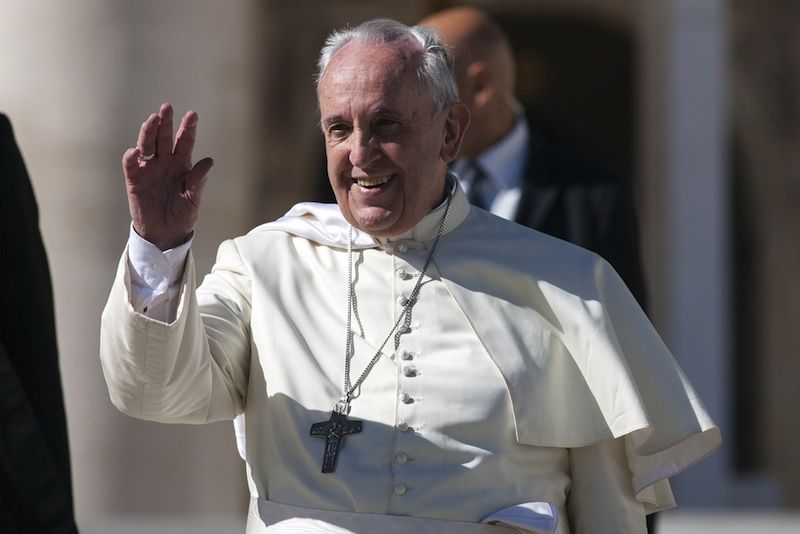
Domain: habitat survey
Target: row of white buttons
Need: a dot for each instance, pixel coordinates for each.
(403, 329)
(400, 488)
(409, 371)
(404, 246)
(406, 355)
(402, 274)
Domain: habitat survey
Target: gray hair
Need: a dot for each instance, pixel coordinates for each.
(435, 70)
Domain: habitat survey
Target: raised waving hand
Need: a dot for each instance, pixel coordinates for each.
(164, 188)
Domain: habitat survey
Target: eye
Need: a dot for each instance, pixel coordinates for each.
(386, 125)
(337, 130)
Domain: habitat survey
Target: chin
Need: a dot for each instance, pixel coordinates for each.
(376, 222)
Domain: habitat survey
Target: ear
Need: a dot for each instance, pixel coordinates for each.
(456, 123)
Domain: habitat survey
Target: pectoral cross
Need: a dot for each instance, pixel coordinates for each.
(334, 432)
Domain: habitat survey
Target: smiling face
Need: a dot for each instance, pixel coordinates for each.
(387, 150)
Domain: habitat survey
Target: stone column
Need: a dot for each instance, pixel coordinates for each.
(78, 79)
(685, 206)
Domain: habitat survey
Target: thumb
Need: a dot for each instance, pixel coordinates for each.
(196, 179)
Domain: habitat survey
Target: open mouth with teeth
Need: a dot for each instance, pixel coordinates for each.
(372, 182)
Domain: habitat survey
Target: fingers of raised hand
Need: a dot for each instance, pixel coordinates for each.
(155, 142)
(186, 136)
(147, 138)
(164, 131)
(196, 180)
(131, 162)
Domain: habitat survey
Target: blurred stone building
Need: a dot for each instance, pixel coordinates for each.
(697, 101)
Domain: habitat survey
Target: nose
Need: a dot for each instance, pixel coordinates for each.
(363, 150)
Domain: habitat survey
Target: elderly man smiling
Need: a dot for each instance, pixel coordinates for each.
(405, 362)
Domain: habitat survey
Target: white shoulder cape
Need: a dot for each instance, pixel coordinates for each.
(581, 361)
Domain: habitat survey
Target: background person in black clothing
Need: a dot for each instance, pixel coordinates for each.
(35, 483)
(544, 186)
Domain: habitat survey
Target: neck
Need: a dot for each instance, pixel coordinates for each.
(501, 125)
(498, 123)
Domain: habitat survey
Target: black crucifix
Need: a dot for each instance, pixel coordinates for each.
(334, 432)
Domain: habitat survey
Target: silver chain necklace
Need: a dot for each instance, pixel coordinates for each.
(338, 426)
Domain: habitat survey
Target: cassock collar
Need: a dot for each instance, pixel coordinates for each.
(324, 223)
(426, 229)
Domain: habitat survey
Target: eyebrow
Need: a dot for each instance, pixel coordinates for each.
(332, 120)
(380, 111)
(388, 111)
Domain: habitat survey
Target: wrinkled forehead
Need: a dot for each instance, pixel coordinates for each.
(374, 67)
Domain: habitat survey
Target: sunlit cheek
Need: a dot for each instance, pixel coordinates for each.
(337, 166)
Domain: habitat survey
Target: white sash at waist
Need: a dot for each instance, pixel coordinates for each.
(267, 517)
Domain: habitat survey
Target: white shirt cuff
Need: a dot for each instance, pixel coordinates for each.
(155, 269)
(155, 276)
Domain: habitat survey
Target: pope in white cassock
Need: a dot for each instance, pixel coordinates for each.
(405, 362)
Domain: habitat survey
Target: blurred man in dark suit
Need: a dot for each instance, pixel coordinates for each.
(508, 169)
(35, 483)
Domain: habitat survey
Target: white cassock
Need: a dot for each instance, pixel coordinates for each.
(529, 390)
